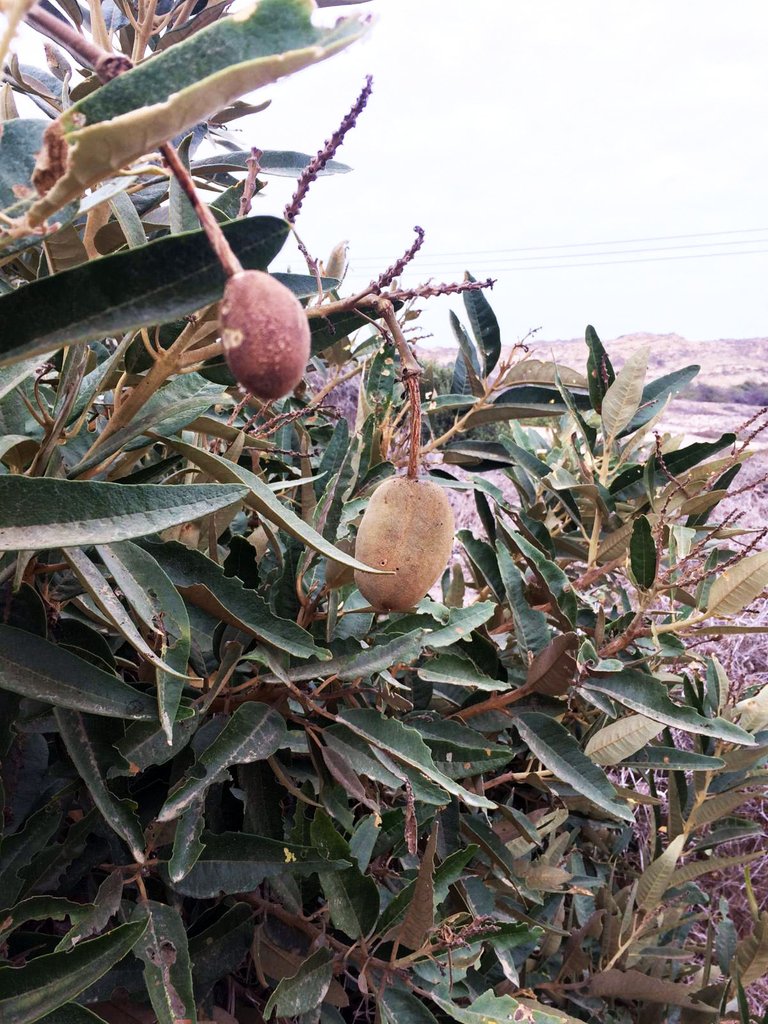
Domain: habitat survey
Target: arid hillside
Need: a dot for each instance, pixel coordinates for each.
(731, 387)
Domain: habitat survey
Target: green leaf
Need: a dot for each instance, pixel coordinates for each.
(460, 751)
(656, 394)
(697, 868)
(484, 324)
(531, 630)
(739, 585)
(559, 751)
(305, 990)
(164, 953)
(622, 738)
(39, 669)
(89, 744)
(751, 960)
(283, 163)
(186, 841)
(454, 670)
(404, 744)
(491, 1009)
(18, 849)
(22, 141)
(367, 662)
(157, 602)
(48, 982)
(40, 513)
(159, 99)
(461, 622)
(649, 697)
(221, 947)
(262, 499)
(202, 583)
(40, 908)
(352, 897)
(399, 1006)
(600, 373)
(156, 284)
(95, 917)
(642, 553)
(253, 733)
(236, 862)
(622, 399)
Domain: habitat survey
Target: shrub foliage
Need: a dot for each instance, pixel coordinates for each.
(234, 791)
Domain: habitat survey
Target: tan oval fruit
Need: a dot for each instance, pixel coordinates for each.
(265, 334)
(408, 527)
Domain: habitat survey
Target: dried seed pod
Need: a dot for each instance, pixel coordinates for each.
(265, 334)
(408, 527)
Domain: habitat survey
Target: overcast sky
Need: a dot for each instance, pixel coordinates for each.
(505, 128)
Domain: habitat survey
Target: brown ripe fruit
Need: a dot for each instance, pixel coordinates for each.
(265, 334)
(408, 527)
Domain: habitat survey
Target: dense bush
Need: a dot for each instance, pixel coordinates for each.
(234, 790)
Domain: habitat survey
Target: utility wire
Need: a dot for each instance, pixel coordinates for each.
(570, 266)
(583, 245)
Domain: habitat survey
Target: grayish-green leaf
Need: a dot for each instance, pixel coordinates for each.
(167, 971)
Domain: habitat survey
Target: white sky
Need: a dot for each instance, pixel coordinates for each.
(498, 125)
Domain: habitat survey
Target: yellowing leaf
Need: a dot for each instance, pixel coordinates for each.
(621, 739)
(137, 112)
(621, 400)
(739, 585)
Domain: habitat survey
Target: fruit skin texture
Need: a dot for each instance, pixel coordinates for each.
(408, 527)
(265, 334)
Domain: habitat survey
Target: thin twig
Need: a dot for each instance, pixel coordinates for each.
(249, 187)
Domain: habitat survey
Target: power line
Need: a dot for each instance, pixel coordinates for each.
(437, 258)
(601, 263)
(582, 245)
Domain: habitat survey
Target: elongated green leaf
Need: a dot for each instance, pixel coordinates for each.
(221, 947)
(203, 583)
(111, 607)
(38, 669)
(642, 553)
(622, 738)
(305, 990)
(672, 759)
(485, 326)
(697, 868)
(187, 846)
(353, 898)
(167, 972)
(621, 400)
(399, 1006)
(649, 697)
(405, 744)
(751, 960)
(136, 112)
(739, 585)
(366, 662)
(559, 751)
(656, 394)
(460, 751)
(158, 283)
(489, 1007)
(253, 733)
(263, 500)
(88, 743)
(96, 917)
(454, 670)
(531, 631)
(282, 163)
(236, 862)
(37, 512)
(154, 598)
(18, 849)
(461, 622)
(600, 372)
(41, 908)
(47, 982)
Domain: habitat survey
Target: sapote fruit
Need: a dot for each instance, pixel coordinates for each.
(265, 334)
(407, 528)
